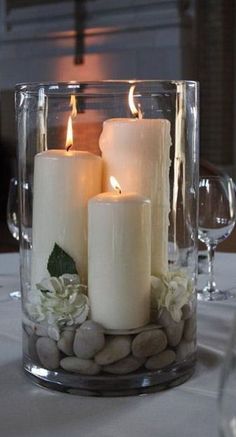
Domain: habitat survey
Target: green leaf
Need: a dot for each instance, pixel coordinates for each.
(59, 262)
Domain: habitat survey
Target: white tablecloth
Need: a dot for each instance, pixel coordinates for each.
(189, 410)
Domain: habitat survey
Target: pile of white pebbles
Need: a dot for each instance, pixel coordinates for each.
(90, 350)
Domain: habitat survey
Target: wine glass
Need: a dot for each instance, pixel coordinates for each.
(217, 216)
(227, 389)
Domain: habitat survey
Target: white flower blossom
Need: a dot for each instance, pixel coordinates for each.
(59, 301)
(171, 291)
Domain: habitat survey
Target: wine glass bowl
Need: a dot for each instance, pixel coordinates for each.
(217, 217)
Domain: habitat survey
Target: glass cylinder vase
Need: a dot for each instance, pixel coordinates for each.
(108, 234)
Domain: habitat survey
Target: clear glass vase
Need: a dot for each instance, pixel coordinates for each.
(108, 277)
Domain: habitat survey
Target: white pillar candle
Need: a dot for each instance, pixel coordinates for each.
(63, 183)
(137, 152)
(119, 254)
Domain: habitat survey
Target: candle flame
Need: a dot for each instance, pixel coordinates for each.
(69, 135)
(136, 112)
(73, 106)
(115, 184)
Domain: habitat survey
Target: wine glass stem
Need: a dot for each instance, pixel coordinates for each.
(211, 285)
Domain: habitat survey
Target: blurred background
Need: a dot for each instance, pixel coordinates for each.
(55, 40)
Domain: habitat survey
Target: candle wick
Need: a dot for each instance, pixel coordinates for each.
(138, 113)
(68, 147)
(118, 190)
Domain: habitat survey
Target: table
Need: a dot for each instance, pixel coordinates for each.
(189, 410)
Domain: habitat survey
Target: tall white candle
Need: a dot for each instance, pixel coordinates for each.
(137, 152)
(63, 183)
(119, 254)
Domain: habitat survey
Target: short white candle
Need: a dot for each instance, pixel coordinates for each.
(137, 152)
(63, 183)
(119, 254)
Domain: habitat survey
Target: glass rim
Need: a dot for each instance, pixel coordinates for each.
(215, 176)
(75, 86)
(222, 177)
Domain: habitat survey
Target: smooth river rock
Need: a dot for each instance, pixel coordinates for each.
(174, 333)
(65, 344)
(187, 310)
(54, 333)
(164, 318)
(89, 339)
(190, 328)
(131, 331)
(78, 365)
(161, 360)
(184, 350)
(41, 330)
(28, 324)
(115, 349)
(149, 343)
(48, 353)
(125, 366)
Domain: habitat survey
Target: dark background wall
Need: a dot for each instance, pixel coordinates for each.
(54, 40)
